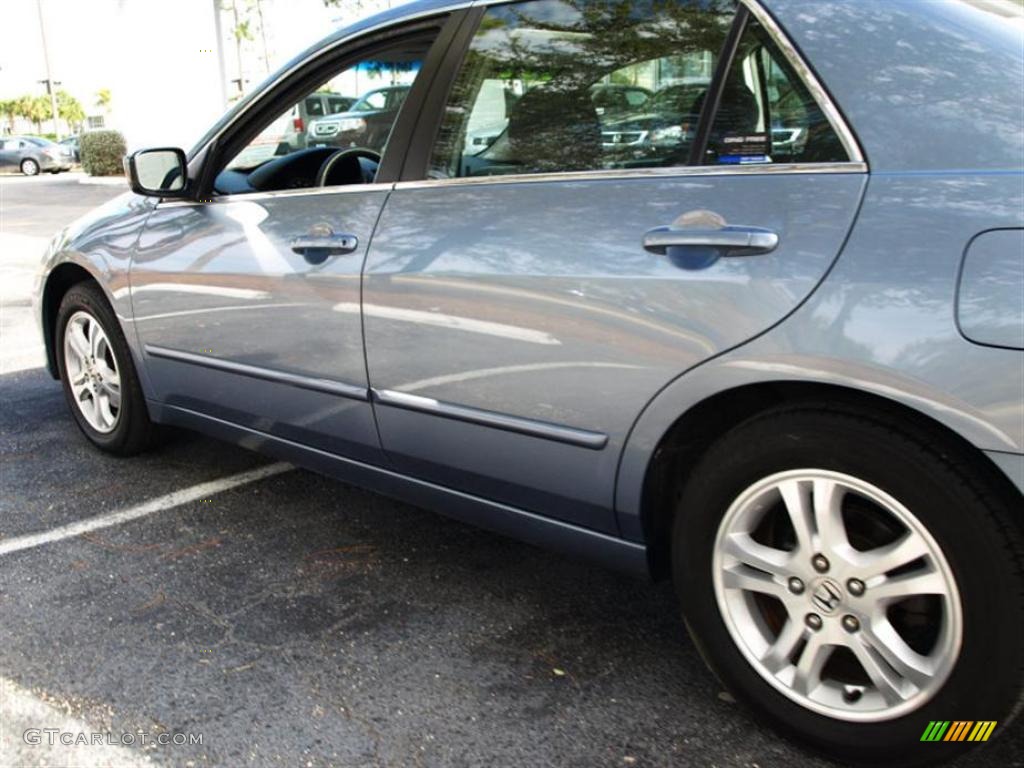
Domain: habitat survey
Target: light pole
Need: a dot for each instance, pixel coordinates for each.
(49, 78)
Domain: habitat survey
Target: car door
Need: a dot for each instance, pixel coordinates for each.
(246, 304)
(522, 303)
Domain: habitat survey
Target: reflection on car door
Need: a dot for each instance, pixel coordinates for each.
(516, 326)
(237, 325)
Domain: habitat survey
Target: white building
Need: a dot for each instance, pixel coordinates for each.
(169, 72)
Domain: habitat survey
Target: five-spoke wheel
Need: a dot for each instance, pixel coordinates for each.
(852, 576)
(92, 371)
(837, 594)
(98, 374)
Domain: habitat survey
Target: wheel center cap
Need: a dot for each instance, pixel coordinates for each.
(826, 595)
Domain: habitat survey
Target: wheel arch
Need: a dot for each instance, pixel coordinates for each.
(682, 444)
(59, 281)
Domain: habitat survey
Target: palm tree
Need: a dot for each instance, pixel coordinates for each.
(9, 109)
(103, 99)
(70, 110)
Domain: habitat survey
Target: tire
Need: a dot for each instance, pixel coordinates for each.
(29, 167)
(956, 517)
(114, 419)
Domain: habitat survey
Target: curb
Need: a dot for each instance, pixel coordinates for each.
(110, 181)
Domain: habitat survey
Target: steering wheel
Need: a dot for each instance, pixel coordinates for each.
(343, 167)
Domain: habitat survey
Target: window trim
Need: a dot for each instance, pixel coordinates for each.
(713, 97)
(810, 80)
(414, 171)
(415, 157)
(769, 169)
(289, 87)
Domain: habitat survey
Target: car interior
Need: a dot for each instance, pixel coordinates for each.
(267, 163)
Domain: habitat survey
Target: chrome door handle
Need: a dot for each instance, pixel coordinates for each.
(732, 241)
(324, 245)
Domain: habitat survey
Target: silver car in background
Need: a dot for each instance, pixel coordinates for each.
(776, 358)
(31, 155)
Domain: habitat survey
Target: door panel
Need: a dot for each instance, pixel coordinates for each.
(537, 301)
(239, 326)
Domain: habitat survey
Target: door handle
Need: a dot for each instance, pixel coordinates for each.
(730, 240)
(316, 248)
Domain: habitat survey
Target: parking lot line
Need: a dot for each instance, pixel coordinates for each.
(159, 504)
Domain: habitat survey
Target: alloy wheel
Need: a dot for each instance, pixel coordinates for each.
(92, 372)
(837, 595)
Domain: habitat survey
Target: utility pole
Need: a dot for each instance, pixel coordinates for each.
(221, 65)
(49, 78)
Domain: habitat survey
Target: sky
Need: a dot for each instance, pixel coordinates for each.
(159, 58)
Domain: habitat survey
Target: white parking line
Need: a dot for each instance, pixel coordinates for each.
(159, 504)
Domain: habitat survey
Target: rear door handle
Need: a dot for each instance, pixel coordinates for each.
(732, 241)
(324, 245)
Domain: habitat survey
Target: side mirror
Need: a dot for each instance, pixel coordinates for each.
(157, 172)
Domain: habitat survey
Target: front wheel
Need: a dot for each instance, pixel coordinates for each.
(852, 585)
(100, 382)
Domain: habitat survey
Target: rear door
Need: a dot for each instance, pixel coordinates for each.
(523, 301)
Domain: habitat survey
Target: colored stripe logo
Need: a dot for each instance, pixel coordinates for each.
(958, 730)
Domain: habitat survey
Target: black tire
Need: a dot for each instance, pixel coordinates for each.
(133, 431)
(29, 167)
(967, 514)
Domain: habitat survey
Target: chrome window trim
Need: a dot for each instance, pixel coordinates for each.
(581, 438)
(643, 173)
(327, 386)
(532, 178)
(344, 189)
(383, 25)
(856, 164)
(810, 80)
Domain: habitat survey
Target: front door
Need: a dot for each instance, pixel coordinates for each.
(247, 305)
(561, 262)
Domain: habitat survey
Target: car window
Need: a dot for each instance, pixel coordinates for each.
(314, 106)
(636, 98)
(371, 102)
(336, 104)
(545, 86)
(766, 114)
(289, 132)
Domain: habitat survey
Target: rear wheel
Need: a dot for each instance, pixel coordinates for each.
(100, 383)
(29, 167)
(851, 584)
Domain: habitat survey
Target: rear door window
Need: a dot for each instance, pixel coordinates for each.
(766, 114)
(552, 85)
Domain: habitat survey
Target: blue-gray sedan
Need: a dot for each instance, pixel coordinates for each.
(760, 333)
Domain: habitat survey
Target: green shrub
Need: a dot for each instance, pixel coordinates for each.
(102, 153)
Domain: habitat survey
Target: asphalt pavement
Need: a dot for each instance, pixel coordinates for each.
(292, 620)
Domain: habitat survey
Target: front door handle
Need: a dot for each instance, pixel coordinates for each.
(324, 245)
(729, 240)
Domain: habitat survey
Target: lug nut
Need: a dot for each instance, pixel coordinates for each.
(856, 587)
(796, 586)
(850, 623)
(820, 563)
(813, 621)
